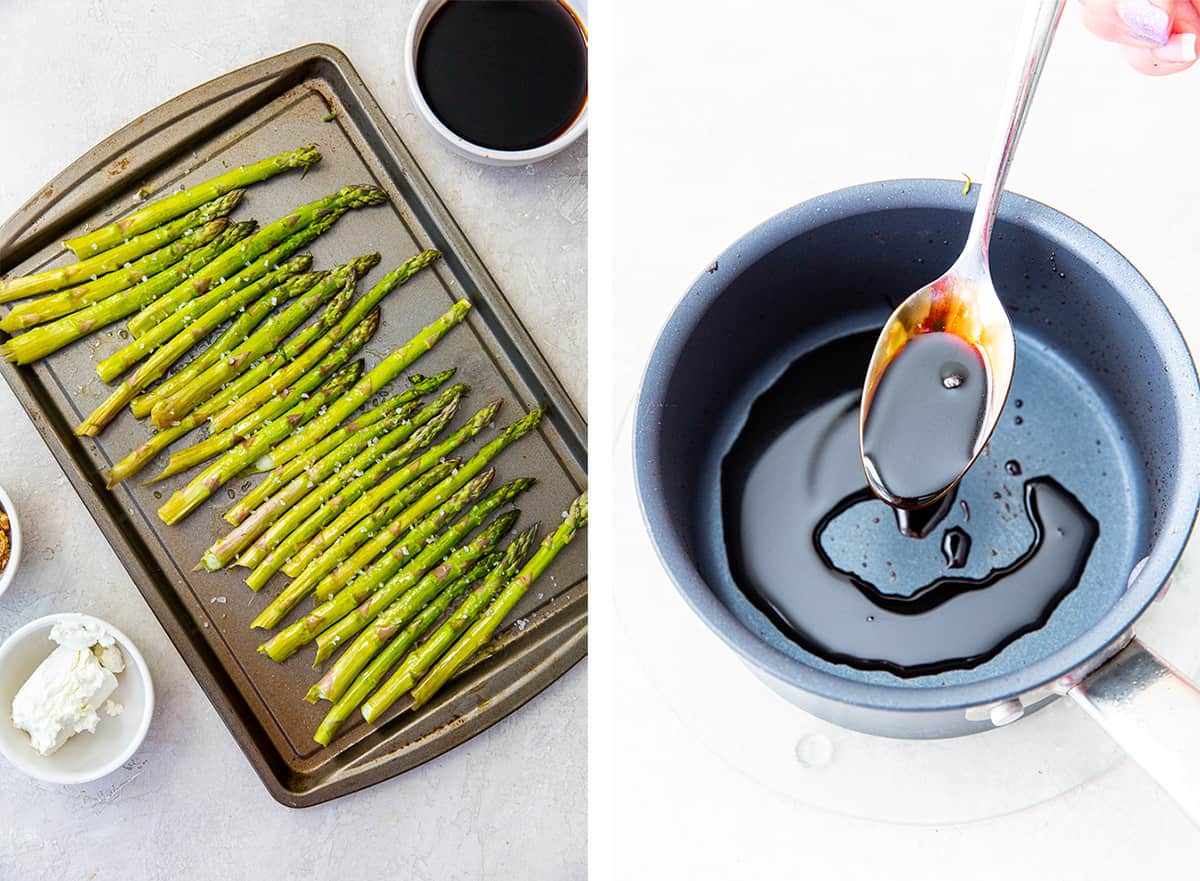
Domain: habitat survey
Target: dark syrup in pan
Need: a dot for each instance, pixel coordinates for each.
(504, 74)
(795, 467)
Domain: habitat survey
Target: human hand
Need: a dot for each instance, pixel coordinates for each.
(1157, 37)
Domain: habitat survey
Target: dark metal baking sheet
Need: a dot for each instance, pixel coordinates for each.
(276, 104)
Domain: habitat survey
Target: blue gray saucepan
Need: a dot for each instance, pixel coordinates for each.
(1097, 352)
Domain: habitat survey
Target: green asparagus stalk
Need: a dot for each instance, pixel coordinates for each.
(333, 495)
(336, 577)
(327, 614)
(422, 428)
(272, 430)
(121, 256)
(347, 442)
(186, 500)
(345, 605)
(265, 241)
(401, 611)
(177, 405)
(145, 343)
(335, 280)
(372, 512)
(42, 341)
(51, 306)
(387, 623)
(354, 695)
(157, 213)
(219, 441)
(234, 542)
(423, 656)
(482, 630)
(142, 455)
(252, 401)
(265, 291)
(404, 496)
(411, 598)
(384, 372)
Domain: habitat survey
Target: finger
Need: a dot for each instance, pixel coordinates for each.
(1138, 23)
(1178, 54)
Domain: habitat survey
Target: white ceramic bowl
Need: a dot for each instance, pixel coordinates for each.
(85, 756)
(416, 27)
(14, 558)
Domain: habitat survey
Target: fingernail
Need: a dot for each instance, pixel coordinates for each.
(1180, 49)
(1145, 21)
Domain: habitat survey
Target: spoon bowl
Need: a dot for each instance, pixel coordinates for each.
(962, 303)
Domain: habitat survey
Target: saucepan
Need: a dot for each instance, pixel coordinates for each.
(1111, 410)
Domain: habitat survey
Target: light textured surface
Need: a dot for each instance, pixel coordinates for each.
(722, 120)
(510, 803)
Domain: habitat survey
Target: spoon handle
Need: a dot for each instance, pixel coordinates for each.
(1041, 20)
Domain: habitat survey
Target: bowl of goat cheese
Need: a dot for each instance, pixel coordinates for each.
(76, 698)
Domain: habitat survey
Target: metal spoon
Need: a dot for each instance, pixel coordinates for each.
(963, 301)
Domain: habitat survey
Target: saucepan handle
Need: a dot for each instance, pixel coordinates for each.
(1153, 712)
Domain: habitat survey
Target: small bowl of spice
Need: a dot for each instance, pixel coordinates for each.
(10, 541)
(503, 82)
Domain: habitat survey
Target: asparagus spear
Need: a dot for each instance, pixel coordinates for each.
(121, 256)
(156, 213)
(411, 598)
(160, 360)
(42, 341)
(405, 495)
(265, 240)
(367, 679)
(384, 372)
(177, 405)
(248, 403)
(270, 431)
(212, 478)
(481, 631)
(331, 281)
(375, 508)
(141, 456)
(142, 347)
(401, 611)
(218, 442)
(348, 441)
(350, 695)
(232, 543)
(422, 534)
(422, 428)
(51, 306)
(331, 612)
(159, 441)
(271, 549)
(335, 578)
(424, 655)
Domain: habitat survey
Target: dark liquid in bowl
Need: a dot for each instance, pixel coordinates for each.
(794, 471)
(504, 74)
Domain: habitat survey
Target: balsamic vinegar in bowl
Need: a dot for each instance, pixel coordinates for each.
(504, 75)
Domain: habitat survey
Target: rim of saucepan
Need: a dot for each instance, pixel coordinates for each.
(871, 198)
(488, 155)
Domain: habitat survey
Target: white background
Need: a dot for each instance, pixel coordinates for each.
(725, 114)
(508, 804)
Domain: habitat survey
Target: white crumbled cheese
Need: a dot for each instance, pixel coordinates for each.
(113, 708)
(67, 689)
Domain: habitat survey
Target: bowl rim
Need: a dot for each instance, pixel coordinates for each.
(134, 659)
(870, 198)
(14, 556)
(423, 12)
